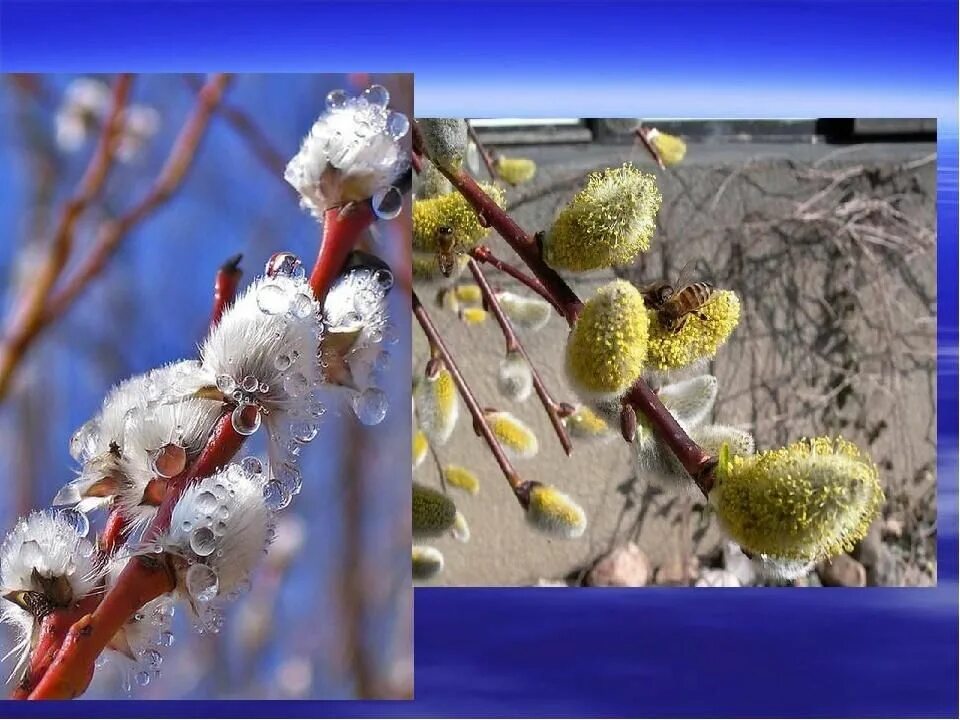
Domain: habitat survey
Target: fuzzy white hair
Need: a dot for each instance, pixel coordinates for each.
(85, 102)
(352, 150)
(43, 545)
(514, 377)
(221, 522)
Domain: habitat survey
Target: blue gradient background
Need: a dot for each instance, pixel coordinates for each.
(659, 652)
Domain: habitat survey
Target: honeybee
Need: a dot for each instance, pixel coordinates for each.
(675, 303)
(446, 257)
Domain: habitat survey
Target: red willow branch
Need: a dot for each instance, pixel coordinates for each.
(514, 345)
(641, 397)
(484, 254)
(439, 349)
(29, 321)
(225, 287)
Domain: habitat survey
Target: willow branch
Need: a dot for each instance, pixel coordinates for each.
(514, 345)
(643, 135)
(179, 161)
(439, 349)
(484, 254)
(29, 320)
(225, 287)
(485, 155)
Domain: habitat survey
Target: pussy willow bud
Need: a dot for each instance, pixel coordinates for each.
(438, 406)
(444, 140)
(352, 150)
(516, 438)
(448, 223)
(459, 477)
(430, 182)
(607, 347)
(514, 377)
(474, 315)
(433, 512)
(525, 313)
(698, 339)
(811, 500)
(555, 513)
(427, 562)
(670, 148)
(469, 294)
(607, 223)
(584, 423)
(420, 448)
(460, 530)
(515, 170)
(45, 564)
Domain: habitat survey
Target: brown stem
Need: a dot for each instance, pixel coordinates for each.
(479, 419)
(514, 345)
(643, 135)
(484, 254)
(29, 320)
(225, 287)
(484, 153)
(171, 176)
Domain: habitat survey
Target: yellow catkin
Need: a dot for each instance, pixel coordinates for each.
(672, 149)
(461, 478)
(453, 212)
(585, 423)
(516, 170)
(608, 223)
(515, 437)
(473, 315)
(420, 447)
(811, 500)
(469, 294)
(555, 513)
(697, 339)
(607, 347)
(437, 406)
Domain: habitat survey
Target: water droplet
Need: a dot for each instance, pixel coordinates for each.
(275, 496)
(272, 299)
(336, 99)
(315, 403)
(69, 494)
(153, 657)
(222, 513)
(295, 384)
(186, 525)
(370, 406)
(384, 278)
(202, 582)
(143, 678)
(206, 502)
(166, 639)
(202, 541)
(245, 418)
(264, 387)
(289, 478)
(220, 528)
(286, 264)
(282, 362)
(376, 95)
(226, 384)
(387, 203)
(101, 659)
(397, 125)
(251, 465)
(169, 461)
(83, 442)
(303, 431)
(125, 684)
(302, 305)
(77, 520)
(250, 384)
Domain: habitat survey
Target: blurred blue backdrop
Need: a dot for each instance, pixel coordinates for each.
(304, 631)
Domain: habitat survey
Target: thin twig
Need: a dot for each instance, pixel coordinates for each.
(644, 136)
(488, 160)
(514, 345)
(29, 320)
(476, 412)
(484, 254)
(225, 287)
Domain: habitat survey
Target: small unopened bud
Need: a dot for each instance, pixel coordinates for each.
(607, 223)
(433, 512)
(437, 406)
(514, 377)
(670, 148)
(607, 347)
(427, 562)
(699, 338)
(525, 313)
(586, 424)
(811, 500)
(448, 223)
(444, 140)
(460, 530)
(474, 315)
(516, 438)
(420, 448)
(554, 513)
(460, 477)
(516, 170)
